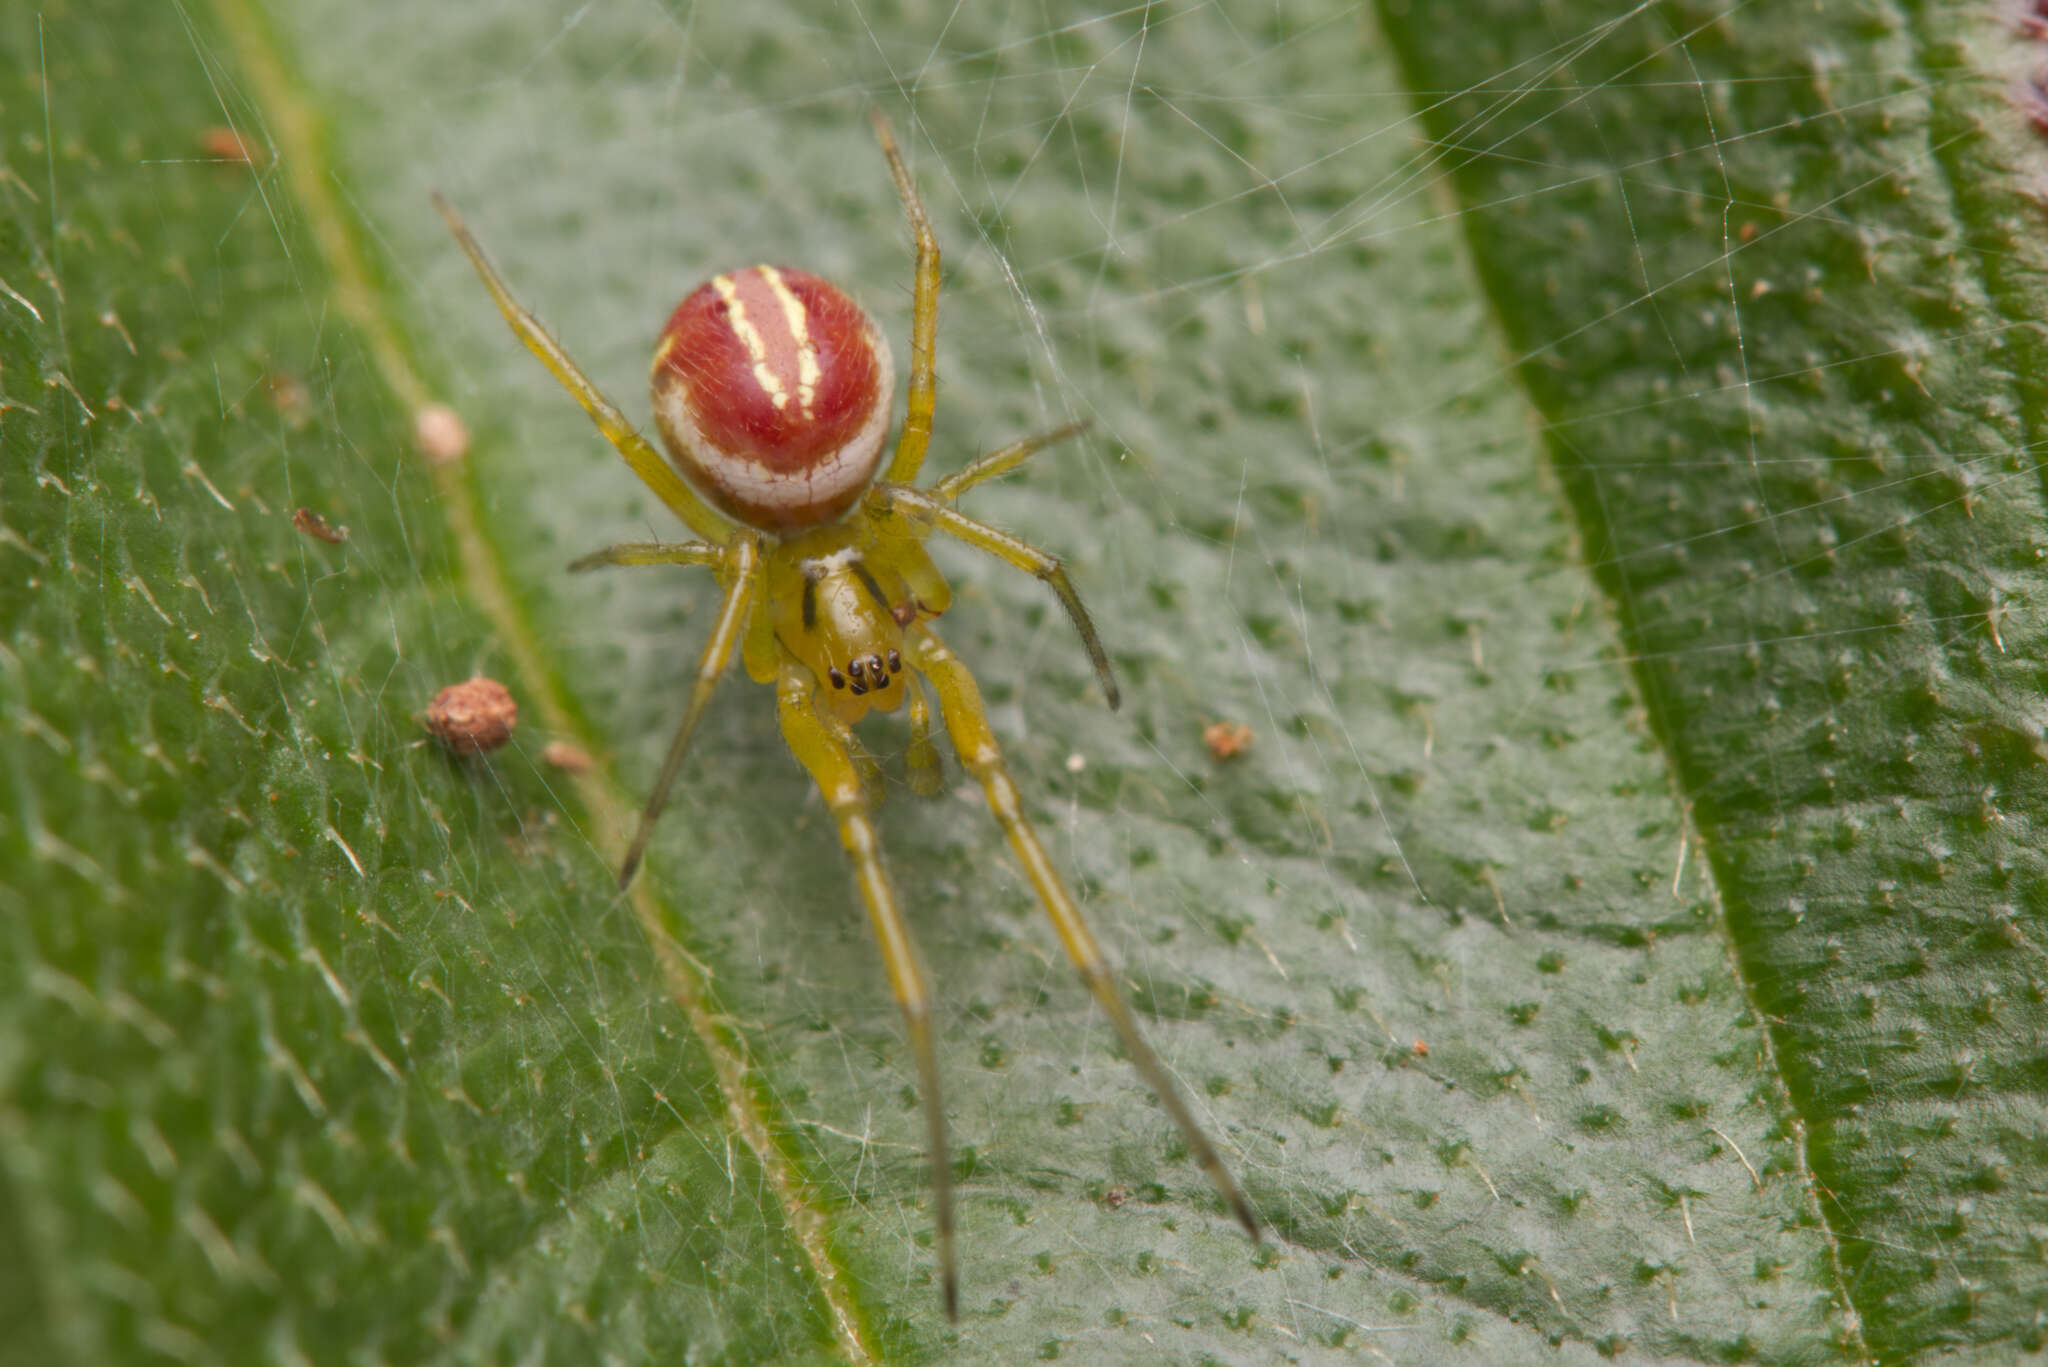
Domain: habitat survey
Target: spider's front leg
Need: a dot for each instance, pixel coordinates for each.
(925, 511)
(739, 565)
(927, 778)
(652, 553)
(967, 722)
(817, 746)
(1002, 460)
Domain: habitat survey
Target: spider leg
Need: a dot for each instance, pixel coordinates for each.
(651, 553)
(926, 778)
(916, 437)
(819, 750)
(647, 463)
(1002, 460)
(743, 575)
(922, 507)
(966, 719)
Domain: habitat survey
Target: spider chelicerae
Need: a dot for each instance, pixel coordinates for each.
(772, 390)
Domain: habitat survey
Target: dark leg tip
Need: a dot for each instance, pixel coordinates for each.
(950, 1292)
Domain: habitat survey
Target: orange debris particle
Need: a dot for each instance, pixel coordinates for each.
(1226, 739)
(439, 432)
(318, 527)
(289, 395)
(222, 143)
(572, 759)
(472, 717)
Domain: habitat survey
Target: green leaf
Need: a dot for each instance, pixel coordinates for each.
(1825, 559)
(1622, 935)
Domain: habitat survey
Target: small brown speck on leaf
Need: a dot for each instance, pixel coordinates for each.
(289, 395)
(1116, 1196)
(439, 432)
(534, 837)
(1226, 739)
(1420, 1048)
(472, 717)
(318, 527)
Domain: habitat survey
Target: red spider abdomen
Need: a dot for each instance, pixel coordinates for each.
(772, 391)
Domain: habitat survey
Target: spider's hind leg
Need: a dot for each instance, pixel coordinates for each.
(656, 473)
(916, 436)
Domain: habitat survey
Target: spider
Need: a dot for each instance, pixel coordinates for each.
(772, 391)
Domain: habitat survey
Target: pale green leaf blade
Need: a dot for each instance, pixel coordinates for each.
(1804, 460)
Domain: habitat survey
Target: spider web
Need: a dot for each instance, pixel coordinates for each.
(1589, 447)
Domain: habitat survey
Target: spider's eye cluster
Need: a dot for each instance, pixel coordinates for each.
(772, 391)
(861, 675)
